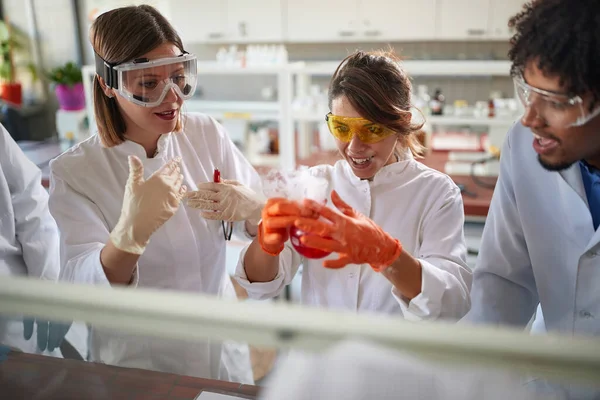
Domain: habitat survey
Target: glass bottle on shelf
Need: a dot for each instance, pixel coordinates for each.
(437, 103)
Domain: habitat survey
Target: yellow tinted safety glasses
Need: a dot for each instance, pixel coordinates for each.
(344, 129)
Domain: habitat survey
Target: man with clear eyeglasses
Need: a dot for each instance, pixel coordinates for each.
(541, 243)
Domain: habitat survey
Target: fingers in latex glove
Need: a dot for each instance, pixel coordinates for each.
(278, 216)
(356, 238)
(147, 204)
(228, 200)
(4, 351)
(42, 335)
(27, 328)
(49, 335)
(272, 239)
(56, 334)
(319, 237)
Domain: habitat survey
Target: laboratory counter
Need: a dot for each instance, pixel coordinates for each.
(29, 376)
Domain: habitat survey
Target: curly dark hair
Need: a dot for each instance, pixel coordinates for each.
(563, 37)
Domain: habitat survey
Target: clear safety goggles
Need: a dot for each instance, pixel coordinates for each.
(344, 129)
(558, 110)
(147, 82)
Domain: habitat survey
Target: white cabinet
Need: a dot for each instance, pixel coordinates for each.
(199, 20)
(476, 19)
(220, 21)
(399, 20)
(463, 19)
(331, 21)
(359, 20)
(321, 21)
(500, 12)
(262, 21)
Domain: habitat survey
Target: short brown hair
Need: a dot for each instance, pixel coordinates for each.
(379, 89)
(118, 36)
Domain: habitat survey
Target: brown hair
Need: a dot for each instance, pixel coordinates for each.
(118, 36)
(379, 89)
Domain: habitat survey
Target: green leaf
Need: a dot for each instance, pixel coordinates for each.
(69, 74)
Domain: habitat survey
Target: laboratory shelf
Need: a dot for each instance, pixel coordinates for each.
(300, 116)
(247, 110)
(412, 67)
(470, 121)
(216, 68)
(482, 68)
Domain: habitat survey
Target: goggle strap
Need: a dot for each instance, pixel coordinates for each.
(107, 72)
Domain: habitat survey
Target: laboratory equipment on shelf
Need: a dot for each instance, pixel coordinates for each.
(72, 127)
(253, 55)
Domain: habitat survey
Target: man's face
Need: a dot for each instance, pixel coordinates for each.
(558, 147)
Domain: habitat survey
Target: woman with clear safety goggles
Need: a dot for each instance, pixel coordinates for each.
(391, 230)
(121, 197)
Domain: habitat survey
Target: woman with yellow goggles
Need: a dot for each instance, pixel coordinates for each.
(395, 224)
(345, 128)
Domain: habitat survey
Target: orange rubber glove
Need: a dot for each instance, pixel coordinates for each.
(355, 237)
(278, 215)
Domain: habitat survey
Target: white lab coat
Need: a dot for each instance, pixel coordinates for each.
(420, 207)
(538, 246)
(186, 254)
(358, 370)
(539, 249)
(28, 233)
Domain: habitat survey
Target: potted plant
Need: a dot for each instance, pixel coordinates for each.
(69, 86)
(11, 89)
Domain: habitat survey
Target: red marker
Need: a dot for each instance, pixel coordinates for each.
(227, 230)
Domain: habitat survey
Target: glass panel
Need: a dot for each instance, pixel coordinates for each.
(138, 343)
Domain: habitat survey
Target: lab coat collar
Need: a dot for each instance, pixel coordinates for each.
(578, 226)
(576, 182)
(131, 148)
(572, 177)
(389, 171)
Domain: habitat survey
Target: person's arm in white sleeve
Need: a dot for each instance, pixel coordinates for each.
(269, 263)
(504, 289)
(445, 275)
(84, 234)
(36, 230)
(267, 266)
(266, 276)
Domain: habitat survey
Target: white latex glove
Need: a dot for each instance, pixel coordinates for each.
(147, 204)
(227, 201)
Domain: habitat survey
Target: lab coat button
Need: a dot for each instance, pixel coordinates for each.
(592, 254)
(585, 314)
